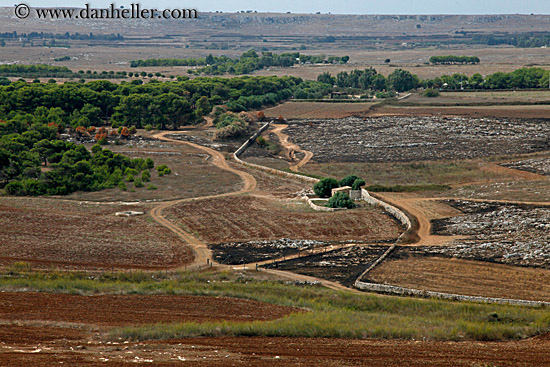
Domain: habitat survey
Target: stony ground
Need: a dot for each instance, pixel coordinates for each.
(408, 138)
(535, 165)
(505, 233)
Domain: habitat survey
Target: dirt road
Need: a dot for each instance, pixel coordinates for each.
(291, 148)
(200, 250)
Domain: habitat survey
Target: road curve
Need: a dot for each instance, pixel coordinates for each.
(201, 252)
(291, 148)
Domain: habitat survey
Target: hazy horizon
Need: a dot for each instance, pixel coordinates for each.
(391, 7)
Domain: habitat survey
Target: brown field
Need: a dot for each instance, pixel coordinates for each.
(246, 218)
(466, 277)
(297, 110)
(72, 234)
(39, 346)
(121, 310)
(192, 174)
(528, 112)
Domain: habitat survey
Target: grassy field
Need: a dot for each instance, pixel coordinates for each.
(328, 313)
(421, 173)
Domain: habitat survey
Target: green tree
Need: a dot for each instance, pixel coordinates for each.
(340, 200)
(402, 80)
(324, 187)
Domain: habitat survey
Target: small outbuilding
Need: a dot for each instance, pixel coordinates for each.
(344, 189)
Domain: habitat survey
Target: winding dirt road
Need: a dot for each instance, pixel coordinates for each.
(200, 250)
(291, 148)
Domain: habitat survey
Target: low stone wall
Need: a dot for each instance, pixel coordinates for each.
(320, 208)
(242, 148)
(395, 212)
(400, 291)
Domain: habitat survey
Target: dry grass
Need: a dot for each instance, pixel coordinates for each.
(465, 277)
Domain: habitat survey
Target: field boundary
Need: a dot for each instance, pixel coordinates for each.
(401, 291)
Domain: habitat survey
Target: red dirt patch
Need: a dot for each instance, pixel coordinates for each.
(118, 310)
(67, 234)
(246, 218)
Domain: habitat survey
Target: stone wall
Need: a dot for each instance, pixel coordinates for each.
(318, 207)
(395, 212)
(400, 291)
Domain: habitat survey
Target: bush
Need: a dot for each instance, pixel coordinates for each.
(151, 187)
(167, 171)
(324, 187)
(348, 180)
(340, 200)
(15, 188)
(149, 163)
(146, 176)
(103, 141)
(430, 92)
(132, 130)
(261, 141)
(357, 184)
(148, 127)
(122, 186)
(138, 183)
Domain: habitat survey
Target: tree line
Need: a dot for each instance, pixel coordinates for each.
(248, 62)
(453, 59)
(402, 80)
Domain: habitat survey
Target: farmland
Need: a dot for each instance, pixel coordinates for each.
(226, 264)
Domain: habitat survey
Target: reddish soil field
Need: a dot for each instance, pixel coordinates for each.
(465, 277)
(535, 112)
(246, 218)
(118, 310)
(297, 110)
(68, 234)
(53, 347)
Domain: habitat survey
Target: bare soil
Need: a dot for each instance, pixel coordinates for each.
(466, 277)
(120, 310)
(70, 234)
(300, 110)
(52, 346)
(246, 218)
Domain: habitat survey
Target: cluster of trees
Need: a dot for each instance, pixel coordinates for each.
(247, 63)
(518, 79)
(324, 187)
(49, 71)
(161, 104)
(399, 80)
(453, 59)
(231, 125)
(524, 40)
(64, 36)
(27, 145)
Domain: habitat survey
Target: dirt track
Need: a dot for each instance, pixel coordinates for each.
(200, 250)
(291, 148)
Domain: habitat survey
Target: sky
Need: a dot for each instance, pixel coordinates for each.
(323, 6)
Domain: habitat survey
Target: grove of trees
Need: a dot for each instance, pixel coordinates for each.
(248, 62)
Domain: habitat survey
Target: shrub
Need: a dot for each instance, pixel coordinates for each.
(149, 163)
(167, 171)
(357, 184)
(151, 187)
(138, 183)
(15, 188)
(132, 130)
(130, 178)
(122, 186)
(324, 187)
(261, 141)
(340, 200)
(161, 168)
(431, 93)
(148, 127)
(146, 176)
(103, 141)
(348, 180)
